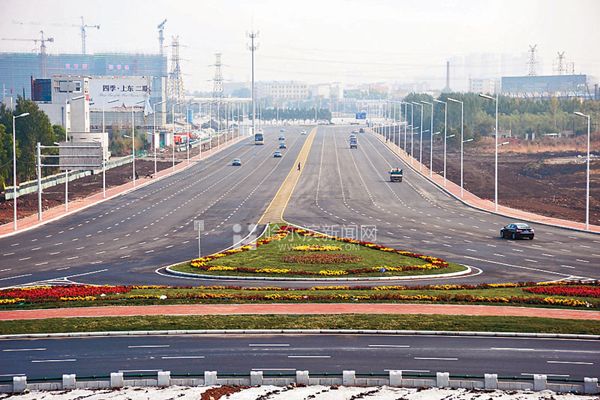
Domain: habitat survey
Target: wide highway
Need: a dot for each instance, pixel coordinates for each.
(347, 192)
(520, 357)
(125, 239)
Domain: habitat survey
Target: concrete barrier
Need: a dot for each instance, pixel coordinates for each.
(395, 378)
(349, 378)
(302, 378)
(256, 378)
(210, 378)
(116, 380)
(490, 381)
(69, 381)
(164, 378)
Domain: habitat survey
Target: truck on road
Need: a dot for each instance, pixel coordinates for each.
(396, 175)
(353, 142)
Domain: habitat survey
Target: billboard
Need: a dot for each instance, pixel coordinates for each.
(361, 115)
(80, 155)
(128, 90)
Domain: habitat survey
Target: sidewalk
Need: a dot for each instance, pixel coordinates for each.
(485, 205)
(297, 309)
(58, 212)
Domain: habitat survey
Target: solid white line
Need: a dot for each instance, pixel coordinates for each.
(399, 346)
(408, 370)
(510, 349)
(180, 357)
(38, 349)
(142, 346)
(309, 356)
(52, 361)
(539, 373)
(269, 345)
(139, 370)
(273, 369)
(517, 266)
(437, 358)
(570, 362)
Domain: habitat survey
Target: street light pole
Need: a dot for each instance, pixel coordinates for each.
(154, 132)
(412, 130)
(430, 140)
(462, 142)
(14, 146)
(421, 136)
(445, 133)
(587, 173)
(485, 96)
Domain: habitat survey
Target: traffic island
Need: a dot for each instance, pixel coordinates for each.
(289, 252)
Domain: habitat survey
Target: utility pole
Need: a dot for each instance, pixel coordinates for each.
(253, 47)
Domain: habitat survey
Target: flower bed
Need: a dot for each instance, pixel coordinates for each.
(320, 256)
(65, 293)
(579, 291)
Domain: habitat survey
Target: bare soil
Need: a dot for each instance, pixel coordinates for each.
(86, 186)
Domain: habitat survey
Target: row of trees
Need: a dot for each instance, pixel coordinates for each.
(30, 130)
(521, 116)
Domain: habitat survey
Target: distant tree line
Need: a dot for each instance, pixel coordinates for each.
(520, 116)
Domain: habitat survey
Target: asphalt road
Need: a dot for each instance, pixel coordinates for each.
(347, 192)
(522, 357)
(125, 239)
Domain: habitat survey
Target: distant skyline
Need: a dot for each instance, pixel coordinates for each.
(320, 41)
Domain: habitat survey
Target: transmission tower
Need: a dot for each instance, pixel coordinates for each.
(561, 67)
(175, 83)
(218, 79)
(253, 47)
(532, 61)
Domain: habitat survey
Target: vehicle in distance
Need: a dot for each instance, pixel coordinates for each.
(517, 230)
(281, 137)
(236, 162)
(282, 145)
(303, 132)
(259, 138)
(353, 142)
(361, 130)
(396, 175)
(277, 154)
(282, 130)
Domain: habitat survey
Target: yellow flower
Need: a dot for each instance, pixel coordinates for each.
(222, 268)
(332, 272)
(273, 270)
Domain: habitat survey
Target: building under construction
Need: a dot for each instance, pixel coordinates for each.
(17, 69)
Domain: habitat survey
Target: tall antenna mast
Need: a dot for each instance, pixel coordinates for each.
(561, 67)
(175, 83)
(253, 47)
(532, 61)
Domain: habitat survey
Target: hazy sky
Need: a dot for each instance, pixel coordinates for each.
(317, 41)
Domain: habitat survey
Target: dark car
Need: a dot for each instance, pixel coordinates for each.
(277, 154)
(236, 162)
(361, 130)
(282, 145)
(517, 231)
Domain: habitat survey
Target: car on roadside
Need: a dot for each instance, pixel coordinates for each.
(303, 132)
(517, 230)
(282, 145)
(361, 130)
(236, 162)
(277, 154)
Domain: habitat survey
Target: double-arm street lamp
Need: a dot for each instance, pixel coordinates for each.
(154, 141)
(14, 147)
(430, 140)
(485, 96)
(445, 132)
(587, 181)
(462, 141)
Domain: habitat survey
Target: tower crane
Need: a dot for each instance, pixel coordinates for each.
(43, 55)
(82, 28)
(161, 37)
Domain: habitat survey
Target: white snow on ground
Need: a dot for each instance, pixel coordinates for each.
(301, 393)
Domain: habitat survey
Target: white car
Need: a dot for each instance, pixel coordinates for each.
(303, 132)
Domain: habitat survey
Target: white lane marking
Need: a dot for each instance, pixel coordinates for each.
(510, 349)
(530, 260)
(36, 349)
(271, 369)
(149, 251)
(5, 269)
(269, 345)
(437, 358)
(14, 244)
(169, 246)
(54, 253)
(409, 370)
(571, 362)
(149, 346)
(566, 266)
(181, 357)
(62, 269)
(101, 252)
(35, 248)
(307, 356)
(393, 346)
(127, 256)
(548, 350)
(72, 258)
(543, 373)
(473, 250)
(14, 277)
(24, 258)
(547, 255)
(54, 361)
(42, 263)
(499, 255)
(580, 260)
(517, 250)
(8, 254)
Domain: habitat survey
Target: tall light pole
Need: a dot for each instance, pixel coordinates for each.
(430, 140)
(587, 182)
(67, 127)
(103, 159)
(412, 130)
(406, 123)
(14, 146)
(253, 47)
(485, 96)
(445, 132)
(154, 132)
(462, 142)
(421, 136)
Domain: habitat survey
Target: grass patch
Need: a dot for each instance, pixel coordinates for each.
(351, 321)
(280, 254)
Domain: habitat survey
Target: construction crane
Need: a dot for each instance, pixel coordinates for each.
(43, 54)
(82, 27)
(161, 37)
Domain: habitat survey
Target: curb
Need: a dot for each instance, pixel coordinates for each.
(44, 222)
(443, 189)
(299, 332)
